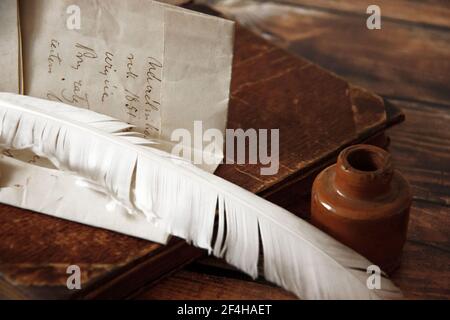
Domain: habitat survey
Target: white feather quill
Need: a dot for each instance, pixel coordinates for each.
(183, 199)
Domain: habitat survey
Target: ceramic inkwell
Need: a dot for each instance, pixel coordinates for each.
(364, 203)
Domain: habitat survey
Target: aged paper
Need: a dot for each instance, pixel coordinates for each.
(9, 47)
(153, 65)
(112, 64)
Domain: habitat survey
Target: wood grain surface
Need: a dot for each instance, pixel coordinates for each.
(407, 61)
(402, 60)
(187, 284)
(433, 13)
(317, 113)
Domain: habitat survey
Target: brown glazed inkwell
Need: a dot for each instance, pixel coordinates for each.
(364, 203)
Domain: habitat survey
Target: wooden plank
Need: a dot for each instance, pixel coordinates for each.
(421, 150)
(424, 272)
(189, 285)
(400, 60)
(429, 12)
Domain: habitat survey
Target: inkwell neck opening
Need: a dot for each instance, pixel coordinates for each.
(363, 171)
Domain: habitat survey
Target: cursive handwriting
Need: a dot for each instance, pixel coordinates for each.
(149, 101)
(132, 103)
(153, 66)
(108, 63)
(53, 55)
(83, 53)
(105, 72)
(106, 88)
(152, 104)
(130, 64)
(74, 97)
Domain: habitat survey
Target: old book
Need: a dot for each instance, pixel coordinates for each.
(317, 114)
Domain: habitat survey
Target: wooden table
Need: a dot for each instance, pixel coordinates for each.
(407, 62)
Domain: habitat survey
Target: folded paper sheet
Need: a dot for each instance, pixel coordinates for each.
(156, 66)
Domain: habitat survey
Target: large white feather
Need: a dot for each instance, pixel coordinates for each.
(183, 200)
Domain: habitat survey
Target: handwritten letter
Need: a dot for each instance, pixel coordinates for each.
(153, 65)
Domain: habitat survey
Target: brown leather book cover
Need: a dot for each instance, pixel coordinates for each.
(317, 114)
